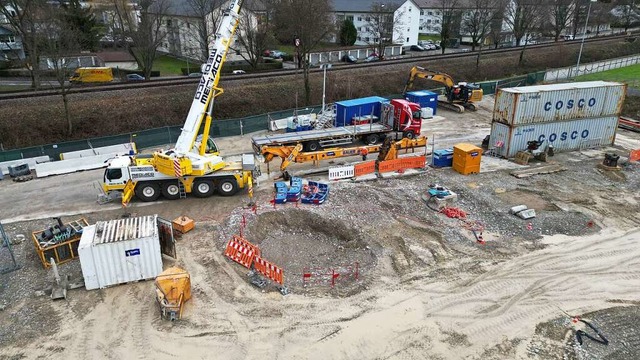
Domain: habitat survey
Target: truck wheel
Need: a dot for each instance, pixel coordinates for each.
(203, 188)
(408, 134)
(312, 146)
(171, 190)
(147, 191)
(227, 187)
(372, 139)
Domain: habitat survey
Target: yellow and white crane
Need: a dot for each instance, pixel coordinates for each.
(193, 165)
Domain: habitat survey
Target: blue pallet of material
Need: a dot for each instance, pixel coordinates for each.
(280, 198)
(316, 193)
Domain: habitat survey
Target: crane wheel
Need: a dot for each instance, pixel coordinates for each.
(171, 190)
(203, 188)
(147, 191)
(227, 187)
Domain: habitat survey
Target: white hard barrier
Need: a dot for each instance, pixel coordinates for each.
(104, 150)
(4, 166)
(72, 165)
(341, 172)
(599, 66)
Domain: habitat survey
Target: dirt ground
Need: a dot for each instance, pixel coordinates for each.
(425, 289)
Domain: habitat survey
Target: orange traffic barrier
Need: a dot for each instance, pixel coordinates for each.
(241, 251)
(634, 155)
(365, 168)
(413, 162)
(269, 270)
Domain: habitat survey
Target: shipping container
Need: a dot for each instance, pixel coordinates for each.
(426, 99)
(558, 102)
(119, 251)
(361, 108)
(564, 135)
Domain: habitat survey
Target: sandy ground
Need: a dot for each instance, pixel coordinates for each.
(426, 290)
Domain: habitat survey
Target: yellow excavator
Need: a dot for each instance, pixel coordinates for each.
(459, 96)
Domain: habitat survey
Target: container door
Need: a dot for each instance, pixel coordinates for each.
(167, 242)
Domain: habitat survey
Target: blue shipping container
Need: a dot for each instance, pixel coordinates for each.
(443, 158)
(424, 98)
(348, 109)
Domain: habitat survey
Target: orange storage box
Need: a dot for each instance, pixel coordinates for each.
(466, 158)
(183, 224)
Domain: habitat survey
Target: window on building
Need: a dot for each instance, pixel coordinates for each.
(407, 39)
(169, 22)
(12, 13)
(408, 29)
(420, 28)
(359, 38)
(430, 12)
(367, 39)
(429, 21)
(188, 26)
(437, 21)
(376, 39)
(359, 18)
(409, 9)
(437, 12)
(350, 17)
(421, 12)
(11, 39)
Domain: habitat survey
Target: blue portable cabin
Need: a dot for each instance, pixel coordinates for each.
(426, 99)
(348, 109)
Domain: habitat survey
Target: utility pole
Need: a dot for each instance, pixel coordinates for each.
(584, 34)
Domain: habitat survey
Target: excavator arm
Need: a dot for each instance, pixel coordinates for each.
(423, 73)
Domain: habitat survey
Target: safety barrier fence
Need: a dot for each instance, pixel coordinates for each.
(634, 155)
(414, 162)
(364, 168)
(240, 126)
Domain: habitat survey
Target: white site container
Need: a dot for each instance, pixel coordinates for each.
(558, 102)
(564, 136)
(119, 251)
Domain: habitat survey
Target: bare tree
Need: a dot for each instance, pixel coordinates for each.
(381, 23)
(628, 13)
(208, 14)
(253, 37)
(495, 32)
(477, 21)
(307, 22)
(23, 17)
(58, 42)
(451, 19)
(561, 13)
(601, 15)
(142, 32)
(523, 17)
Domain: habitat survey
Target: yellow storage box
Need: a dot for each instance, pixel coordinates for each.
(183, 224)
(466, 158)
(173, 288)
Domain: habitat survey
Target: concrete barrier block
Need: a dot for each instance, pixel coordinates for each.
(4, 166)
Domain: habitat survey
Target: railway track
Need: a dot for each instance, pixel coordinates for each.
(185, 81)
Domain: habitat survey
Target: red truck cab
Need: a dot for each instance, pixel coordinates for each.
(407, 118)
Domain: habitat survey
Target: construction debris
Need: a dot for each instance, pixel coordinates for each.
(538, 170)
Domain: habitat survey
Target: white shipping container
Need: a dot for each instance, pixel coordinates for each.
(120, 251)
(564, 136)
(558, 102)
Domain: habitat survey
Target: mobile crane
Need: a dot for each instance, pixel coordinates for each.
(193, 165)
(460, 96)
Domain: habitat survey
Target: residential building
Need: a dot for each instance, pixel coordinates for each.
(10, 42)
(189, 27)
(366, 16)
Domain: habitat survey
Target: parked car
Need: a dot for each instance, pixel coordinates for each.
(276, 54)
(429, 46)
(372, 58)
(417, 48)
(195, 75)
(238, 72)
(134, 77)
(350, 59)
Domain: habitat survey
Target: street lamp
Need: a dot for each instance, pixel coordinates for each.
(584, 34)
(324, 81)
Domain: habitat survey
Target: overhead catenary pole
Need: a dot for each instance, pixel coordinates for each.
(584, 34)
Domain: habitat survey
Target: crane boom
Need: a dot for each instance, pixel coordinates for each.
(208, 86)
